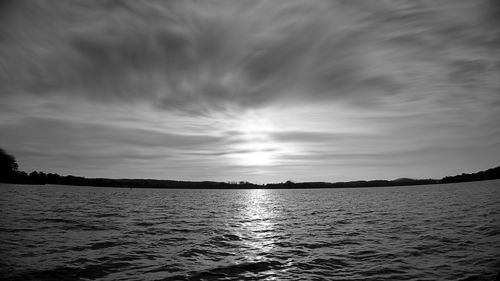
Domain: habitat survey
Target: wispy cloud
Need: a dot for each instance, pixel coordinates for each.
(202, 55)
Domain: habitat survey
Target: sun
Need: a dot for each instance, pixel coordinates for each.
(256, 146)
(256, 158)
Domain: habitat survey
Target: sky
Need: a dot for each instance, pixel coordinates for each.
(259, 91)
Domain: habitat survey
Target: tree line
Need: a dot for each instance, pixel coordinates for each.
(9, 173)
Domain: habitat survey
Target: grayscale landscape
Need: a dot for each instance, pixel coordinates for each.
(249, 140)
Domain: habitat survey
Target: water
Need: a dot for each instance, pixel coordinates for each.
(441, 232)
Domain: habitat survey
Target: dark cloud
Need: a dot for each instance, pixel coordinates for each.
(468, 72)
(199, 56)
(229, 152)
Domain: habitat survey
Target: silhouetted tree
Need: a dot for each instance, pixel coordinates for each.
(38, 177)
(8, 167)
(490, 174)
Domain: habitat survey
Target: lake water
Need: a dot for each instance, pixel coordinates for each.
(440, 232)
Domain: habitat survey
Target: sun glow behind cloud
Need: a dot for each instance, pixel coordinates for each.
(256, 151)
(256, 147)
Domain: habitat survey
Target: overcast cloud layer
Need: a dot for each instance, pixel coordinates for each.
(263, 91)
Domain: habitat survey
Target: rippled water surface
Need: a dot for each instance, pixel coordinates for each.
(441, 232)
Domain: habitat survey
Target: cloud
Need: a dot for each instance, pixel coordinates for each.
(173, 82)
(196, 56)
(88, 142)
(314, 137)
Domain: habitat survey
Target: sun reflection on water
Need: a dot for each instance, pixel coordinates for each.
(258, 224)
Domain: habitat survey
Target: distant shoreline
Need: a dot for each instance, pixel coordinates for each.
(40, 178)
(263, 186)
(9, 173)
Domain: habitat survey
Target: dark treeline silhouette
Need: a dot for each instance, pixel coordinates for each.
(493, 173)
(9, 174)
(8, 167)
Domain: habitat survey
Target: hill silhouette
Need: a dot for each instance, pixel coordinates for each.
(9, 173)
